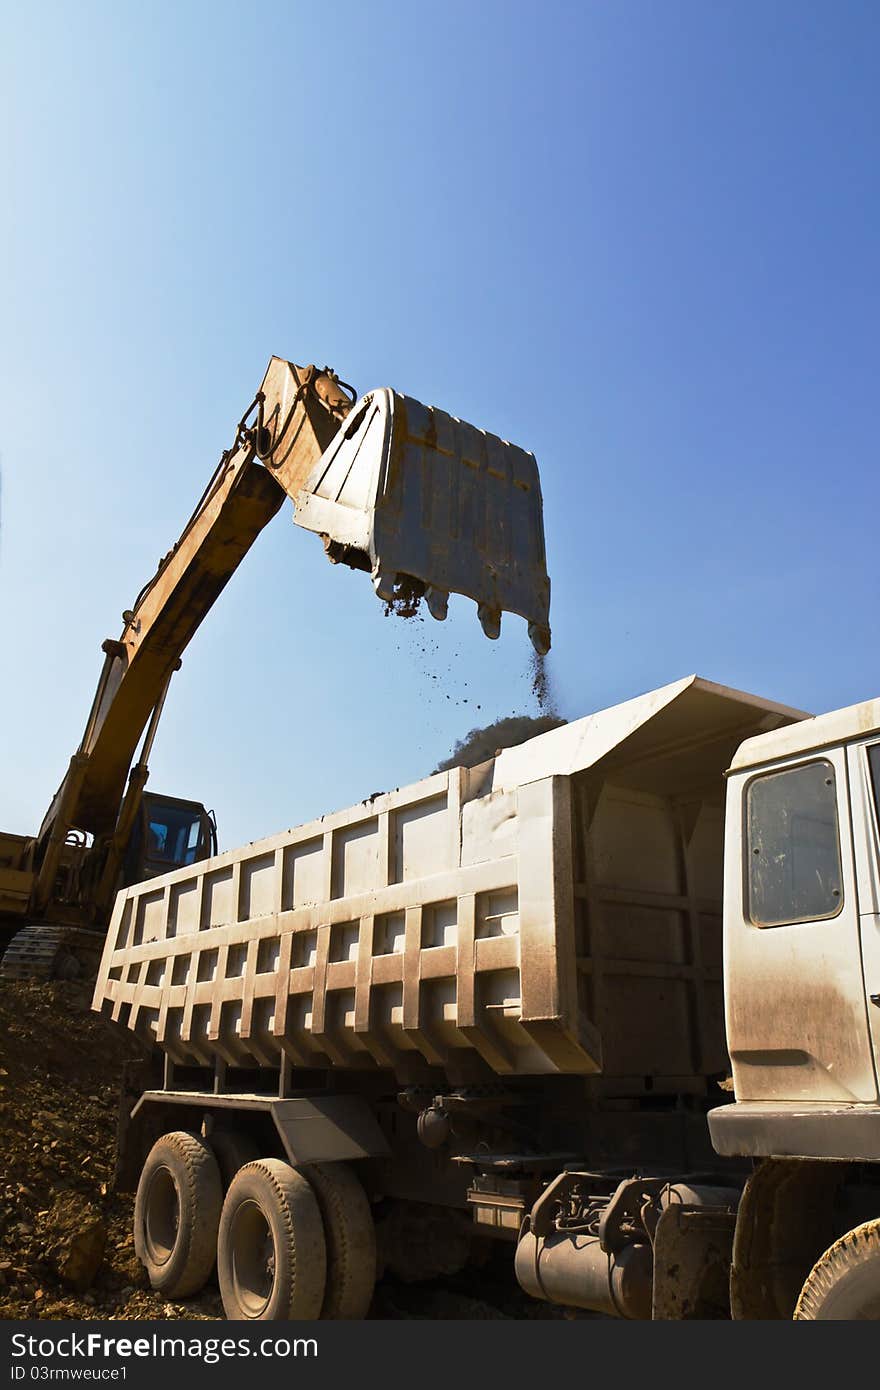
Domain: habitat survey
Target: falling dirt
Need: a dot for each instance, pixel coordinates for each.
(438, 663)
(441, 669)
(66, 1246)
(407, 598)
(539, 672)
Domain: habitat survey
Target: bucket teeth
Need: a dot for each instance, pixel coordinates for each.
(438, 603)
(539, 636)
(383, 584)
(490, 620)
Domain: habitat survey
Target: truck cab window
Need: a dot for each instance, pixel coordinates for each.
(794, 872)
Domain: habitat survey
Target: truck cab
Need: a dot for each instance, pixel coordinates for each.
(802, 1006)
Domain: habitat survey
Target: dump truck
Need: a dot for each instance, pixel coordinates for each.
(425, 503)
(490, 1007)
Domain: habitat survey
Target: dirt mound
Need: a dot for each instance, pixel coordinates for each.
(481, 744)
(65, 1237)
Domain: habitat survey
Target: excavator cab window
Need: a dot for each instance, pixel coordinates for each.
(173, 835)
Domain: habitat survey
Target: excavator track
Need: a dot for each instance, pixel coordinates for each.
(52, 953)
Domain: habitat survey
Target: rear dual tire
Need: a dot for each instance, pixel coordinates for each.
(287, 1244)
(176, 1214)
(350, 1235)
(271, 1252)
(296, 1245)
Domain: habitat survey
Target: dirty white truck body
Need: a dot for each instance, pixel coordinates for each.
(802, 990)
(497, 997)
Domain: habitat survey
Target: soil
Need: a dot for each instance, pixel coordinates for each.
(487, 742)
(407, 598)
(542, 688)
(66, 1246)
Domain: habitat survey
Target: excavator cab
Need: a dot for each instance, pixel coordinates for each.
(170, 833)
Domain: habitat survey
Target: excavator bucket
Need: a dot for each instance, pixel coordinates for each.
(431, 506)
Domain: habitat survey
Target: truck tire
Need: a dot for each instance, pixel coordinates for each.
(351, 1239)
(271, 1252)
(845, 1283)
(232, 1150)
(177, 1212)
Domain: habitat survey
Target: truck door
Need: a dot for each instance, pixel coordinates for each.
(796, 1012)
(864, 780)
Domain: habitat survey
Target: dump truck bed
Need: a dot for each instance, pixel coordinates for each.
(554, 910)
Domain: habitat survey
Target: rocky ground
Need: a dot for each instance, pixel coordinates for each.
(66, 1248)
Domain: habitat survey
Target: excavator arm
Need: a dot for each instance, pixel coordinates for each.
(424, 502)
(292, 421)
(293, 418)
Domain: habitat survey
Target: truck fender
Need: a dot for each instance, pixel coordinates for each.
(312, 1129)
(783, 1224)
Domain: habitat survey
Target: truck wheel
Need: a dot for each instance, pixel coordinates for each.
(351, 1239)
(845, 1283)
(176, 1214)
(271, 1253)
(232, 1150)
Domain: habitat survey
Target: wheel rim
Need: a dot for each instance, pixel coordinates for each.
(253, 1258)
(161, 1216)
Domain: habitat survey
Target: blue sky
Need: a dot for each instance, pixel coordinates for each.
(637, 238)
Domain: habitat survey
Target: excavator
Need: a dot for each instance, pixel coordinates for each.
(423, 502)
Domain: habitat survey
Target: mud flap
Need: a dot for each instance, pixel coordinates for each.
(431, 506)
